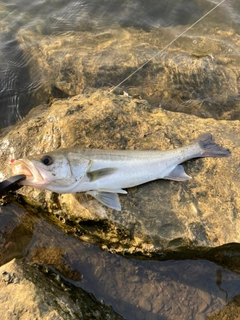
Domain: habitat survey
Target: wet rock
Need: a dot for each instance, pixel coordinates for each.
(230, 312)
(45, 296)
(161, 216)
(189, 289)
(197, 74)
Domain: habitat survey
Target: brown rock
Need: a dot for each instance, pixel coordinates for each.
(230, 312)
(186, 289)
(160, 215)
(35, 292)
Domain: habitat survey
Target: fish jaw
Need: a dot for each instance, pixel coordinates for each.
(38, 176)
(34, 175)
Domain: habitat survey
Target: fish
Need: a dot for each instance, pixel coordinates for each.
(104, 174)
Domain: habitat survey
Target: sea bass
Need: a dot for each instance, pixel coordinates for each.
(105, 173)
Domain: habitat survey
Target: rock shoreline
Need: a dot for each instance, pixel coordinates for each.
(161, 220)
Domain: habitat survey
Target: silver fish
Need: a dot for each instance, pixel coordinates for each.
(105, 173)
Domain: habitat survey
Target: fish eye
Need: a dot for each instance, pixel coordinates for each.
(47, 160)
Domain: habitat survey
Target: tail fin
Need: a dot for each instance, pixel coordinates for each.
(209, 148)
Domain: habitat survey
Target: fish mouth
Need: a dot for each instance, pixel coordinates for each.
(33, 175)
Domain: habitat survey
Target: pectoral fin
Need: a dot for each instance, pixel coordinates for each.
(178, 174)
(109, 199)
(97, 174)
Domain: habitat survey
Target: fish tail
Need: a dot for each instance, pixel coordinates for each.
(209, 148)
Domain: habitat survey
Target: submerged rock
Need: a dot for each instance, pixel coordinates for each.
(230, 312)
(45, 296)
(158, 217)
(135, 289)
(198, 74)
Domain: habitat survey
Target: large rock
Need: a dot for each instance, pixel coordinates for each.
(34, 292)
(160, 216)
(136, 289)
(197, 74)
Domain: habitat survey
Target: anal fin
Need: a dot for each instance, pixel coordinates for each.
(178, 174)
(109, 199)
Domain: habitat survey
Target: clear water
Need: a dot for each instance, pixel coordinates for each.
(135, 289)
(19, 92)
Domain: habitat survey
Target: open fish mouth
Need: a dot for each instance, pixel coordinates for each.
(33, 175)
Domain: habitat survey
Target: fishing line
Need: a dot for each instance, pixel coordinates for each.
(167, 46)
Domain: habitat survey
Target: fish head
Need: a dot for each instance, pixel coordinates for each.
(56, 171)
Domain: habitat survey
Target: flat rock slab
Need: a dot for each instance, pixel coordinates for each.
(158, 216)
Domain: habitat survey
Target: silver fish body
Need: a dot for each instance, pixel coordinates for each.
(105, 173)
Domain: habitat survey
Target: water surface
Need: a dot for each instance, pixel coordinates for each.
(135, 289)
(20, 91)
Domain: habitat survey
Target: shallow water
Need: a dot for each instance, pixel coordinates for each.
(19, 92)
(135, 289)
